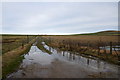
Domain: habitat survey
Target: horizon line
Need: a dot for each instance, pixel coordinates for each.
(53, 33)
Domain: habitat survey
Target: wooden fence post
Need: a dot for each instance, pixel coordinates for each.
(22, 44)
(104, 48)
(110, 47)
(98, 46)
(98, 51)
(27, 39)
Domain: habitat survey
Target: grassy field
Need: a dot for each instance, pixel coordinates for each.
(13, 46)
(87, 38)
(87, 44)
(10, 42)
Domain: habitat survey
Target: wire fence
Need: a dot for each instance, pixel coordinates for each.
(97, 47)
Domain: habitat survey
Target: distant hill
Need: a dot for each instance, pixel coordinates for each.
(104, 33)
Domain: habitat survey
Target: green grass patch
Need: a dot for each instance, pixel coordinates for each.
(14, 63)
(13, 66)
(11, 63)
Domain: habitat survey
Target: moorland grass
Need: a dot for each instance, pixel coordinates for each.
(70, 43)
(12, 59)
(10, 42)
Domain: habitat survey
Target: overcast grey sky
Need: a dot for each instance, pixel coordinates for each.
(59, 17)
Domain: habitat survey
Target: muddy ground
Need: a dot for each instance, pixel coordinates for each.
(38, 64)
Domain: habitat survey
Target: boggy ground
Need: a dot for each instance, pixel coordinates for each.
(39, 64)
(88, 45)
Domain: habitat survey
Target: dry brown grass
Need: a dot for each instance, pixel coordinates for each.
(86, 38)
(10, 42)
(12, 57)
(87, 44)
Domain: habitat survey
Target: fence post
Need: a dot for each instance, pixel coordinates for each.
(27, 39)
(105, 48)
(98, 50)
(98, 46)
(22, 44)
(110, 47)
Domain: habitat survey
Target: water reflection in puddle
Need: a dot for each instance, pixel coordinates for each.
(117, 48)
(61, 64)
(88, 63)
(35, 55)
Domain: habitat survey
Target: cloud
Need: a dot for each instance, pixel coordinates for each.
(59, 0)
(55, 17)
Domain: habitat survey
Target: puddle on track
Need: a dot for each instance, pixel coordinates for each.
(62, 64)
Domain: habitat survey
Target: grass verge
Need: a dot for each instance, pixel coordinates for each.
(41, 47)
(12, 59)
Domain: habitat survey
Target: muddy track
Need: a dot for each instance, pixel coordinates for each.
(59, 64)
